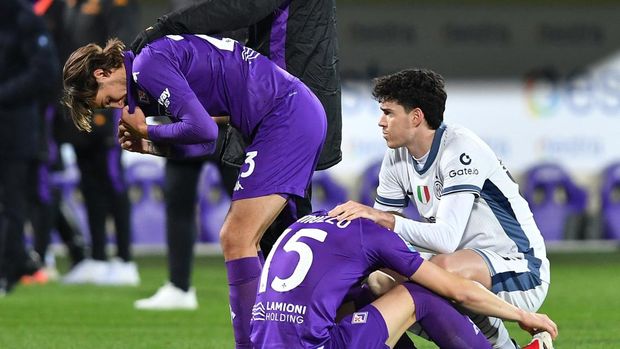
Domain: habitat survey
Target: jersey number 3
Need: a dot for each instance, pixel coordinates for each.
(306, 258)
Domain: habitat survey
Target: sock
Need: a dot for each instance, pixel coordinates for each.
(494, 330)
(243, 277)
(443, 323)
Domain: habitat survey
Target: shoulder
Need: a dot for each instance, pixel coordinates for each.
(154, 54)
(460, 140)
(394, 157)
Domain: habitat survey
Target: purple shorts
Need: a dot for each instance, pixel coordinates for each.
(364, 329)
(285, 149)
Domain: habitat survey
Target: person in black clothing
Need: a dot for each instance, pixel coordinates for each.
(45, 209)
(299, 36)
(97, 153)
(28, 68)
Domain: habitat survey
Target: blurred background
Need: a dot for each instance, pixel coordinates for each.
(538, 80)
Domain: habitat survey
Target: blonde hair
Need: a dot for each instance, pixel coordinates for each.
(80, 85)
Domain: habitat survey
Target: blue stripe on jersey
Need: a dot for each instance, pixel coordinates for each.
(434, 149)
(461, 188)
(511, 281)
(392, 202)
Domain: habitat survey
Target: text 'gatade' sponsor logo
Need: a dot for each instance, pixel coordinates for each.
(463, 172)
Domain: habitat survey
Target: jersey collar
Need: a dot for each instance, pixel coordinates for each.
(434, 149)
(128, 58)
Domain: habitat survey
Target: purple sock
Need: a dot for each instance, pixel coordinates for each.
(243, 276)
(444, 325)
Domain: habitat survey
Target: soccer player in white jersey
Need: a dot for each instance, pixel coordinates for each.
(477, 224)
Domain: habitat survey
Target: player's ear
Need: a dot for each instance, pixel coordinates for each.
(417, 116)
(100, 73)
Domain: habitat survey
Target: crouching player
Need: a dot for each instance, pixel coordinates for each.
(192, 78)
(318, 260)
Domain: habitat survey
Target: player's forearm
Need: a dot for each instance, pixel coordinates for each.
(156, 149)
(478, 299)
(186, 151)
(436, 237)
(195, 126)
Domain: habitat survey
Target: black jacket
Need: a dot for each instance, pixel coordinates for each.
(29, 69)
(304, 29)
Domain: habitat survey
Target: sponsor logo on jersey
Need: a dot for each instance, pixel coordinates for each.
(463, 172)
(465, 159)
(248, 54)
(164, 98)
(423, 194)
(359, 318)
(279, 311)
(258, 312)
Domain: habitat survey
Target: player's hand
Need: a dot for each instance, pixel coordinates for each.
(134, 123)
(128, 141)
(535, 322)
(351, 210)
(146, 36)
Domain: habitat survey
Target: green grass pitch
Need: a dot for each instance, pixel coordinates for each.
(584, 300)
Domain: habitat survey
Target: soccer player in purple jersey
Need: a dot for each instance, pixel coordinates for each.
(193, 78)
(318, 260)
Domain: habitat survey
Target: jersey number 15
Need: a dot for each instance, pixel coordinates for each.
(302, 268)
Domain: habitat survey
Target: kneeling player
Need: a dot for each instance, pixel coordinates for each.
(318, 260)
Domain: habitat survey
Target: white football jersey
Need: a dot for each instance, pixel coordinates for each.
(459, 161)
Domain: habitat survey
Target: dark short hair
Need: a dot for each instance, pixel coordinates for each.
(80, 85)
(414, 88)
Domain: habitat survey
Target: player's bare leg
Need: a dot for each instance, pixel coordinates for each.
(243, 227)
(467, 264)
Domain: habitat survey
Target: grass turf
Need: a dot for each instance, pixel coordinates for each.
(583, 300)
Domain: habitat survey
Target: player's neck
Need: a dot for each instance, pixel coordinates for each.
(421, 143)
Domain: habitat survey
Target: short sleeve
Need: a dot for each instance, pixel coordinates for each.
(386, 249)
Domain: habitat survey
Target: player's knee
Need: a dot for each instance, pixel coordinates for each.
(231, 240)
(447, 262)
(380, 283)
(452, 264)
(444, 261)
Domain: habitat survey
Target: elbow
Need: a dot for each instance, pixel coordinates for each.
(202, 134)
(211, 133)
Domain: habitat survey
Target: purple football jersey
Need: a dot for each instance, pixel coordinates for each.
(193, 77)
(310, 270)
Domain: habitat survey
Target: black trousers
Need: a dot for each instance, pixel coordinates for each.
(13, 197)
(180, 194)
(46, 212)
(105, 193)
